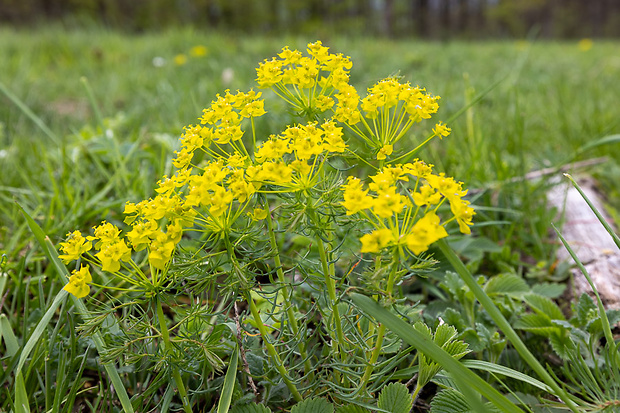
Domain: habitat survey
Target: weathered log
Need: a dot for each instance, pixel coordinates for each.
(588, 238)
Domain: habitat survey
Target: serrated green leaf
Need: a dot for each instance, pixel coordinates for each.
(251, 408)
(507, 284)
(444, 334)
(549, 290)
(313, 405)
(536, 323)
(395, 398)
(352, 408)
(449, 401)
(543, 305)
(585, 310)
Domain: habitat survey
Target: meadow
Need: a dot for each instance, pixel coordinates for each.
(91, 120)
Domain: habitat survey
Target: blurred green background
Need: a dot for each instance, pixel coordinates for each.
(395, 18)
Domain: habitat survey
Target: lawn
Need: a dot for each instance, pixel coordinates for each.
(91, 119)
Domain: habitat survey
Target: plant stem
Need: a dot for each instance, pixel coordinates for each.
(271, 349)
(331, 288)
(286, 293)
(374, 356)
(503, 324)
(165, 334)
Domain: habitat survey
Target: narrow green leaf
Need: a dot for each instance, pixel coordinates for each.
(504, 325)
(601, 308)
(7, 334)
(21, 396)
(469, 383)
(506, 371)
(229, 383)
(606, 140)
(352, 408)
(52, 254)
(395, 398)
(26, 110)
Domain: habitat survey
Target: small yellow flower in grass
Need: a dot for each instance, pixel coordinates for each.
(180, 59)
(198, 51)
(441, 130)
(426, 231)
(78, 282)
(585, 44)
(74, 247)
(384, 152)
(376, 240)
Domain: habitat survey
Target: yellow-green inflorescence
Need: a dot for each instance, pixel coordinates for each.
(222, 170)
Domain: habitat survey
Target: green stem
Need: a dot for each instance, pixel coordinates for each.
(271, 349)
(286, 293)
(165, 334)
(503, 324)
(374, 356)
(331, 288)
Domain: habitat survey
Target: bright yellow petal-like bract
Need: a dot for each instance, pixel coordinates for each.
(78, 282)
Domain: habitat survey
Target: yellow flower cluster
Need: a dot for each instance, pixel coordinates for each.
(408, 219)
(306, 82)
(211, 192)
(389, 110)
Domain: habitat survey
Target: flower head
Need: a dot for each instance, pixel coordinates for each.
(78, 282)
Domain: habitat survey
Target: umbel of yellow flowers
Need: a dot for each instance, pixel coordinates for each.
(400, 203)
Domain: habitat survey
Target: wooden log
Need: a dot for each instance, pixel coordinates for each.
(590, 241)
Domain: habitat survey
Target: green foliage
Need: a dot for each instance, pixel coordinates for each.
(69, 171)
(395, 398)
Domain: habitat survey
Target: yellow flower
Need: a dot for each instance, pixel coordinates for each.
(441, 130)
(384, 152)
(160, 251)
(106, 233)
(585, 44)
(141, 234)
(376, 240)
(426, 231)
(388, 202)
(198, 51)
(111, 256)
(355, 197)
(426, 196)
(258, 214)
(180, 59)
(74, 247)
(464, 214)
(78, 282)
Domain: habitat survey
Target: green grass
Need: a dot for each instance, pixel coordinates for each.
(540, 103)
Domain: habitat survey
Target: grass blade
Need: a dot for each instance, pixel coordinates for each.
(601, 309)
(503, 324)
(21, 396)
(466, 379)
(52, 254)
(602, 220)
(37, 120)
(229, 383)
